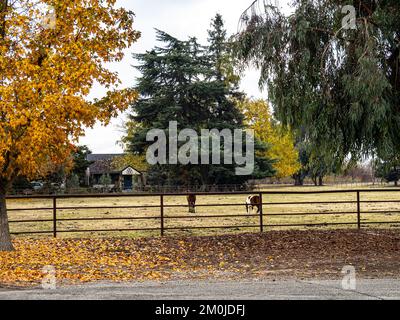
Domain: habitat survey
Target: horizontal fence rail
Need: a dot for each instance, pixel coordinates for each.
(157, 214)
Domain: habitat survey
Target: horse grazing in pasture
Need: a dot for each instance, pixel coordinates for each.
(191, 199)
(253, 202)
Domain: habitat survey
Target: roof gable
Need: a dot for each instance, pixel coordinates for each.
(129, 171)
(108, 166)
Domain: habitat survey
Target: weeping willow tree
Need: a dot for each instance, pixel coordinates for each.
(331, 68)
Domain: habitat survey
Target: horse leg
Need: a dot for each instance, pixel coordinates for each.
(248, 205)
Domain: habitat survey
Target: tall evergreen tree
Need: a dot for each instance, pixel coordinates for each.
(172, 88)
(224, 96)
(195, 86)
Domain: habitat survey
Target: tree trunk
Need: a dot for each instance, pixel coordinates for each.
(5, 238)
(298, 181)
(320, 181)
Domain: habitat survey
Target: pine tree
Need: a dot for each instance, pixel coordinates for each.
(223, 80)
(195, 86)
(224, 96)
(172, 88)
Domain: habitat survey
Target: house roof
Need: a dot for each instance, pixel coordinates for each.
(105, 164)
(102, 167)
(101, 157)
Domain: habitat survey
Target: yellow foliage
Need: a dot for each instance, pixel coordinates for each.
(281, 143)
(46, 72)
(136, 161)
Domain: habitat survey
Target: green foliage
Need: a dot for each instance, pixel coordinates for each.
(318, 167)
(342, 87)
(80, 163)
(20, 184)
(73, 182)
(197, 87)
(314, 164)
(304, 158)
(220, 54)
(388, 169)
(105, 180)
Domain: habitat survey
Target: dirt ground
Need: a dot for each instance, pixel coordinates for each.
(301, 254)
(268, 256)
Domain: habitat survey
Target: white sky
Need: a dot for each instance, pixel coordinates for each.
(180, 18)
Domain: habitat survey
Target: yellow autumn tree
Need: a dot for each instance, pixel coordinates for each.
(281, 143)
(136, 161)
(52, 52)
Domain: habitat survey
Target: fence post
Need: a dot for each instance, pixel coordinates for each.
(358, 211)
(261, 214)
(162, 214)
(55, 217)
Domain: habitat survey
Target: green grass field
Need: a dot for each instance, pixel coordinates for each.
(346, 213)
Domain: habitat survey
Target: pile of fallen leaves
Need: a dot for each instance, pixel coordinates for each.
(301, 254)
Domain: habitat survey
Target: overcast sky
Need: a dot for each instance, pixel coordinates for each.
(180, 18)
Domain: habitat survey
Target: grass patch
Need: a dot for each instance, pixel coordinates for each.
(178, 217)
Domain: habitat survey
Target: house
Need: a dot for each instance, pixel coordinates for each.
(124, 176)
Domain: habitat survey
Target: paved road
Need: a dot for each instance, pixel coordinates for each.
(211, 290)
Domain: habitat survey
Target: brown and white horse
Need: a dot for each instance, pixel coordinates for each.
(253, 202)
(191, 199)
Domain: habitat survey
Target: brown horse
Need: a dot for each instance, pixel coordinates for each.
(253, 202)
(191, 199)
